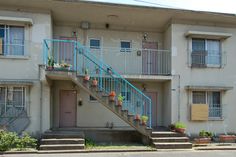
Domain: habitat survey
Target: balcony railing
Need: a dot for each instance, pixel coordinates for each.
(136, 61)
(215, 111)
(207, 59)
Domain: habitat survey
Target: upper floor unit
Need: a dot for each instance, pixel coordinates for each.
(132, 40)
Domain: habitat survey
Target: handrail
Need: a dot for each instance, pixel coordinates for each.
(79, 52)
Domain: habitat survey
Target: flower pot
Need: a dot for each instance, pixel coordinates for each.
(144, 122)
(137, 117)
(94, 83)
(50, 67)
(119, 103)
(180, 130)
(202, 140)
(227, 138)
(86, 78)
(111, 98)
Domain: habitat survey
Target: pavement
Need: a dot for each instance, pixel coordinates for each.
(193, 153)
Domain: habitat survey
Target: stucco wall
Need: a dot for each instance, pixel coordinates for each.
(27, 68)
(205, 77)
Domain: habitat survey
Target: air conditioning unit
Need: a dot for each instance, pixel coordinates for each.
(1, 46)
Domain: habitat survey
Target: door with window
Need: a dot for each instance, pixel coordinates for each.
(67, 108)
(149, 58)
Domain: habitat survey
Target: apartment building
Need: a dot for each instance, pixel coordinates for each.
(170, 65)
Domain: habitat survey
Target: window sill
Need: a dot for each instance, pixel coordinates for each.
(215, 119)
(206, 66)
(15, 57)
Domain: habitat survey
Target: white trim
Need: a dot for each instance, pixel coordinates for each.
(207, 35)
(6, 19)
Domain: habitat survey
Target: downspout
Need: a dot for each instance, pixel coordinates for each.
(178, 96)
(41, 102)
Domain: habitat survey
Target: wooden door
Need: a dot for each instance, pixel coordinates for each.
(67, 108)
(153, 97)
(149, 58)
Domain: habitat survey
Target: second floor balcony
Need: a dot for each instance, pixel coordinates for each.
(135, 61)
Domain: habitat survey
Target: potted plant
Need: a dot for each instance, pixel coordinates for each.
(86, 77)
(144, 120)
(94, 82)
(227, 138)
(51, 62)
(120, 100)
(204, 137)
(112, 96)
(65, 66)
(180, 127)
(137, 117)
(172, 127)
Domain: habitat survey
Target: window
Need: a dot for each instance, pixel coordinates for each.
(205, 52)
(94, 43)
(213, 99)
(125, 46)
(12, 40)
(12, 100)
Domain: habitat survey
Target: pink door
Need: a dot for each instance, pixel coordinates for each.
(153, 97)
(149, 58)
(67, 108)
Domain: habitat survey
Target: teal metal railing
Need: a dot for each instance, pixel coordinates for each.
(82, 61)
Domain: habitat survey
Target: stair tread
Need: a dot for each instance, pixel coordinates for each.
(172, 143)
(60, 145)
(63, 139)
(170, 138)
(164, 132)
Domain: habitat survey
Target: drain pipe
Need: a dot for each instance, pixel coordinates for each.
(178, 95)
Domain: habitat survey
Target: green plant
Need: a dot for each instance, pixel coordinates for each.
(144, 118)
(120, 98)
(86, 72)
(204, 133)
(180, 125)
(50, 61)
(26, 142)
(89, 143)
(8, 140)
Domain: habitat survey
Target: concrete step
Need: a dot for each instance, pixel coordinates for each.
(166, 134)
(170, 139)
(61, 135)
(62, 141)
(173, 145)
(62, 147)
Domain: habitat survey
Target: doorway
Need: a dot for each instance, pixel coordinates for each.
(153, 97)
(149, 58)
(67, 108)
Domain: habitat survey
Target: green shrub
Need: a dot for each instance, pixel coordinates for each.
(26, 142)
(180, 125)
(7, 140)
(10, 140)
(89, 143)
(204, 133)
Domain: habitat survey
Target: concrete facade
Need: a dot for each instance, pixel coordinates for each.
(173, 100)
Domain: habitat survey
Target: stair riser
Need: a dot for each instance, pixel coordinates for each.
(61, 148)
(62, 142)
(47, 136)
(174, 146)
(168, 135)
(170, 140)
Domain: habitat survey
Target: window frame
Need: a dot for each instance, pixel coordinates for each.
(207, 95)
(95, 47)
(205, 51)
(8, 90)
(8, 46)
(123, 50)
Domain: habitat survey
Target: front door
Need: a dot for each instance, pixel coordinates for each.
(153, 97)
(149, 58)
(67, 108)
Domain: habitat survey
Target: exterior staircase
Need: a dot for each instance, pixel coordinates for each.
(62, 140)
(85, 64)
(170, 140)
